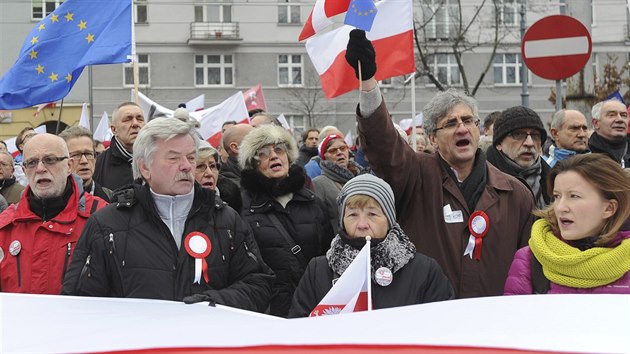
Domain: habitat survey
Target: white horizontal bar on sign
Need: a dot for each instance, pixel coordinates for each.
(556, 47)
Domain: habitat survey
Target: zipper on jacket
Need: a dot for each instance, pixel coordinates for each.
(112, 250)
(112, 246)
(86, 267)
(65, 262)
(229, 232)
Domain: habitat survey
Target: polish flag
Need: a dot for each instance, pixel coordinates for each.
(196, 104)
(391, 36)
(353, 290)
(103, 132)
(211, 119)
(151, 108)
(254, 98)
(320, 16)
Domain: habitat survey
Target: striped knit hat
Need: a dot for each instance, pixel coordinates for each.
(372, 186)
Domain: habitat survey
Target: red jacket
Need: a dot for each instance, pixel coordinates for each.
(46, 247)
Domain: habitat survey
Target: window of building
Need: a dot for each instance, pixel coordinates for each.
(439, 16)
(508, 12)
(507, 69)
(288, 11)
(444, 68)
(296, 122)
(289, 70)
(213, 13)
(143, 72)
(141, 11)
(214, 70)
(42, 8)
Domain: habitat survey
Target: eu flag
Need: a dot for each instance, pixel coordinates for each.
(361, 14)
(76, 34)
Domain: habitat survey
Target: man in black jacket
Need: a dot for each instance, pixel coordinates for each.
(113, 167)
(168, 238)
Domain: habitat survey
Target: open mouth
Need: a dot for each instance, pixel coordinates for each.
(276, 166)
(208, 185)
(43, 182)
(462, 143)
(565, 222)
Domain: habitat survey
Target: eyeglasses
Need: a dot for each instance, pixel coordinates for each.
(453, 123)
(47, 161)
(202, 167)
(264, 152)
(333, 151)
(89, 155)
(522, 135)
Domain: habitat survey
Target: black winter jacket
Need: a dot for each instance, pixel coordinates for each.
(113, 170)
(305, 220)
(127, 251)
(419, 281)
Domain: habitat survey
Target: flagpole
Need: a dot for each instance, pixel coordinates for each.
(414, 136)
(59, 118)
(369, 274)
(134, 57)
(91, 99)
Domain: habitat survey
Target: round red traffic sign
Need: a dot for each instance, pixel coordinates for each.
(556, 47)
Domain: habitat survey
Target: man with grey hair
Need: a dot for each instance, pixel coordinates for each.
(569, 131)
(113, 167)
(82, 156)
(9, 188)
(454, 206)
(38, 235)
(166, 237)
(610, 121)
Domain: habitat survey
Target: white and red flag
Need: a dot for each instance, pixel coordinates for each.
(391, 36)
(353, 290)
(196, 104)
(321, 15)
(254, 98)
(211, 119)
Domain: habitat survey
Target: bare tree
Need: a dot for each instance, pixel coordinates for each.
(613, 79)
(308, 101)
(444, 29)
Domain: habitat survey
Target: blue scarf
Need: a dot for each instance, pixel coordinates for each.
(559, 155)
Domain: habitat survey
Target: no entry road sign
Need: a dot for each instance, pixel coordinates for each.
(556, 47)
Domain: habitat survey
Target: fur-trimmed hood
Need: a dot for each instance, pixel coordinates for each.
(262, 136)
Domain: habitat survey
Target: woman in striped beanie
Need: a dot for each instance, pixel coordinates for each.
(400, 276)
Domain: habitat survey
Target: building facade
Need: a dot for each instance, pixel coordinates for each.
(191, 47)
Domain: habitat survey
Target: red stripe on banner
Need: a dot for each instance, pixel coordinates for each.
(335, 7)
(394, 57)
(346, 349)
(362, 302)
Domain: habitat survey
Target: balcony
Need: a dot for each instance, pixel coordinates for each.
(214, 33)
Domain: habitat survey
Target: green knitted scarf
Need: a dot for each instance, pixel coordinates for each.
(568, 266)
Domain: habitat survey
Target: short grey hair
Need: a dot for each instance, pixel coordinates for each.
(158, 129)
(11, 156)
(115, 114)
(76, 132)
(443, 102)
(596, 111)
(558, 119)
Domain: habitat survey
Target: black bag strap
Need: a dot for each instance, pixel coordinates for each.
(294, 248)
(94, 207)
(540, 283)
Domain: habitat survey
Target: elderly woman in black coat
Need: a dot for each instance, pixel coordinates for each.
(400, 275)
(290, 223)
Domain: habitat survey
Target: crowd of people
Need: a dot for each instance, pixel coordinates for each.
(261, 224)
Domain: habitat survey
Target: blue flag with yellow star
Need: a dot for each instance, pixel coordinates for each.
(361, 14)
(76, 34)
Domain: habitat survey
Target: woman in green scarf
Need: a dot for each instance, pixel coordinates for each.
(578, 240)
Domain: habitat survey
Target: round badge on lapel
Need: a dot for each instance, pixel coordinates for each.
(15, 247)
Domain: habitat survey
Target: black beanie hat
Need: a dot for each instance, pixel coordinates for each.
(516, 118)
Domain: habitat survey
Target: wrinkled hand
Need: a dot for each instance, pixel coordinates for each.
(195, 298)
(360, 49)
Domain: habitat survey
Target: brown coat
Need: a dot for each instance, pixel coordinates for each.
(12, 193)
(423, 187)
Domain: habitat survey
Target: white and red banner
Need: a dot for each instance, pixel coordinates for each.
(321, 15)
(254, 98)
(391, 36)
(352, 291)
(211, 119)
(103, 132)
(196, 104)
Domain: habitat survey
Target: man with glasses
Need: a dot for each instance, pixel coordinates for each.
(9, 188)
(517, 147)
(610, 120)
(82, 159)
(569, 131)
(453, 205)
(38, 235)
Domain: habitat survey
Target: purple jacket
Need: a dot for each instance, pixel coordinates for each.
(519, 280)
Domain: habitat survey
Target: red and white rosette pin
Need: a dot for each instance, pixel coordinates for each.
(478, 225)
(198, 246)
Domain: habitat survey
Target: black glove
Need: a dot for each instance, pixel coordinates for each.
(195, 298)
(361, 49)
